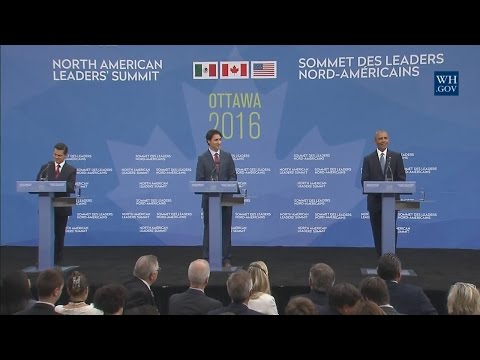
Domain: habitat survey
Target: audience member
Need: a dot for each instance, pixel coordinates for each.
(261, 299)
(77, 289)
(341, 300)
(405, 298)
(375, 289)
(49, 289)
(321, 280)
(367, 307)
(193, 301)
(239, 287)
(301, 306)
(463, 299)
(142, 310)
(110, 299)
(16, 294)
(139, 290)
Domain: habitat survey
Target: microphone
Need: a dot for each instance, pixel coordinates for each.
(44, 173)
(214, 175)
(388, 171)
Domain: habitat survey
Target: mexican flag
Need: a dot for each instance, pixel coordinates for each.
(234, 70)
(205, 70)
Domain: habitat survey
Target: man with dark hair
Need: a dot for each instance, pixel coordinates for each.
(405, 298)
(59, 170)
(214, 165)
(381, 164)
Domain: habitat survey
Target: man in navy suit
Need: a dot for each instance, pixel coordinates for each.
(59, 170)
(216, 165)
(372, 171)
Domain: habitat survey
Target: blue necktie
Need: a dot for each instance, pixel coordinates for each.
(382, 162)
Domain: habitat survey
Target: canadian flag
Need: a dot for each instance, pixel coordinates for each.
(234, 70)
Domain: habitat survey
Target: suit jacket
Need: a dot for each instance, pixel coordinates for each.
(410, 299)
(138, 294)
(68, 174)
(206, 170)
(318, 297)
(192, 302)
(39, 309)
(372, 171)
(234, 308)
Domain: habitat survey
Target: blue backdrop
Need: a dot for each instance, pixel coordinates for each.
(297, 119)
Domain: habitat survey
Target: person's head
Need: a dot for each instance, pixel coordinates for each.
(199, 273)
(367, 307)
(60, 152)
(15, 292)
(375, 289)
(110, 299)
(301, 306)
(343, 297)
(239, 286)
(463, 299)
(77, 286)
(381, 139)
(389, 267)
(214, 139)
(146, 268)
(50, 285)
(322, 277)
(259, 272)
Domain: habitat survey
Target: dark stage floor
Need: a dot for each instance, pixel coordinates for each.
(437, 269)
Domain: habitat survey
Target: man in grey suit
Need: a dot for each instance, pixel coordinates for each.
(194, 301)
(216, 165)
(378, 166)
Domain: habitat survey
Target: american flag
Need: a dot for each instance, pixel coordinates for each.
(264, 69)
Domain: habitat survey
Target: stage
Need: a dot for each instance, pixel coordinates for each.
(437, 269)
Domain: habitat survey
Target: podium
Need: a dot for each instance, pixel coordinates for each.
(221, 193)
(389, 189)
(46, 204)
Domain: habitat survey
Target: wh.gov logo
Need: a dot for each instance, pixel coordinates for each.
(446, 83)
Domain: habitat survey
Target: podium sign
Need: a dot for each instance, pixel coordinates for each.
(46, 204)
(220, 193)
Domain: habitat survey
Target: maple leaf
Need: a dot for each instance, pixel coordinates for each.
(234, 69)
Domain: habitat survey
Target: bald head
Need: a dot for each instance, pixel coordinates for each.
(198, 273)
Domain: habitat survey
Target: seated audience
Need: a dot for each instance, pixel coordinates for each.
(16, 294)
(367, 307)
(239, 287)
(110, 299)
(375, 289)
(301, 306)
(49, 289)
(341, 300)
(261, 299)
(405, 298)
(321, 280)
(77, 289)
(463, 299)
(193, 301)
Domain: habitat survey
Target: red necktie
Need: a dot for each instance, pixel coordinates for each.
(57, 171)
(216, 159)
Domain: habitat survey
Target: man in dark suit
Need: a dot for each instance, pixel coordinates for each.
(378, 166)
(216, 165)
(194, 301)
(405, 298)
(59, 170)
(49, 289)
(138, 287)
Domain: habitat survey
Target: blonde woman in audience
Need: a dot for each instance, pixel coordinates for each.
(261, 299)
(77, 289)
(463, 299)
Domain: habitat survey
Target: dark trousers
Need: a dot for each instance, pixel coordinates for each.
(226, 233)
(376, 223)
(60, 227)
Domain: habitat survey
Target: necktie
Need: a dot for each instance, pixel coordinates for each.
(57, 171)
(382, 162)
(216, 159)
